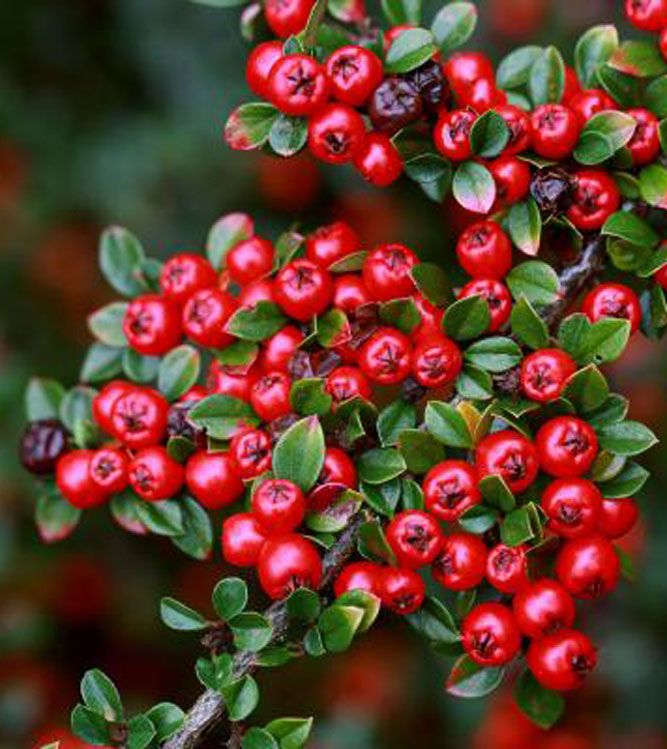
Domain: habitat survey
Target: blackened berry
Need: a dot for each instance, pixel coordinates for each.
(553, 189)
(431, 85)
(394, 104)
(43, 442)
(178, 424)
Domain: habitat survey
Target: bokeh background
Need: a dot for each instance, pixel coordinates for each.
(111, 111)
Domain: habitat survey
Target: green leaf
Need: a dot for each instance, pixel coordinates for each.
(653, 185)
(106, 324)
(288, 135)
(252, 631)
(140, 368)
(467, 318)
(256, 323)
(248, 126)
(534, 280)
(99, 694)
(401, 12)
(607, 466)
(292, 733)
(427, 167)
(593, 49)
(43, 398)
(603, 135)
(478, 519)
(624, 89)
(229, 597)
(166, 718)
(337, 514)
(308, 396)
(163, 517)
(546, 81)
(411, 48)
(383, 498)
(528, 326)
(435, 622)
(401, 313)
(177, 615)
(393, 419)
(299, 453)
(474, 187)
(258, 738)
(101, 363)
(338, 625)
(572, 332)
(141, 732)
(543, 706)
(121, 257)
(333, 328)
(525, 226)
(432, 282)
(197, 539)
(226, 233)
(615, 408)
(469, 680)
(494, 354)
(238, 354)
(420, 450)
(77, 405)
(514, 69)
(447, 425)
(654, 262)
(587, 389)
(474, 383)
(215, 672)
(520, 525)
(453, 25)
(489, 135)
(178, 371)
(90, 726)
(349, 264)
(367, 602)
(303, 605)
(638, 59)
(241, 698)
(220, 415)
(373, 543)
(55, 517)
(380, 465)
(604, 341)
(412, 497)
(496, 493)
(656, 96)
(626, 438)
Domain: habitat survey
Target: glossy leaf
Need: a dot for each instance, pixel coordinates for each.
(546, 81)
(474, 188)
(43, 398)
(626, 438)
(447, 425)
(121, 256)
(525, 226)
(251, 630)
(467, 318)
(229, 597)
(594, 48)
(299, 453)
(494, 354)
(514, 69)
(106, 324)
(380, 465)
(453, 25)
(241, 698)
(248, 126)
(534, 280)
(469, 680)
(220, 415)
(410, 49)
(641, 59)
(489, 135)
(257, 323)
(543, 706)
(177, 615)
(393, 419)
(178, 371)
(420, 450)
(528, 326)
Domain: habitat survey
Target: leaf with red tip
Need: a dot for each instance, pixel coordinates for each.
(249, 125)
(125, 513)
(226, 232)
(467, 679)
(474, 187)
(639, 59)
(56, 518)
(347, 11)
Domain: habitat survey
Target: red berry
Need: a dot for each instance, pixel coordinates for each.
(644, 146)
(366, 576)
(185, 273)
(139, 418)
(205, 315)
(152, 325)
(277, 351)
(509, 455)
(595, 198)
(75, 482)
(660, 276)
(436, 361)
(572, 506)
(490, 634)
(512, 178)
(108, 469)
(193, 394)
(567, 447)
(249, 260)
(464, 68)
(461, 563)
(279, 505)
(431, 318)
(385, 357)
(386, 271)
(221, 382)
(496, 295)
(212, 479)
(452, 134)
(270, 396)
(647, 15)
(338, 468)
(518, 123)
(298, 85)
(562, 660)
(450, 488)
(242, 539)
(250, 451)
(328, 244)
(287, 17)
(104, 401)
(481, 95)
(350, 293)
(613, 300)
(588, 567)
(590, 102)
(257, 291)
(543, 607)
(378, 160)
(348, 382)
(484, 250)
(286, 563)
(154, 475)
(415, 538)
(617, 517)
(507, 568)
(354, 73)
(259, 65)
(545, 373)
(335, 133)
(403, 590)
(303, 289)
(555, 131)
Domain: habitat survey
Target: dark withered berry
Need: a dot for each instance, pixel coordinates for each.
(553, 189)
(431, 85)
(43, 442)
(411, 390)
(178, 424)
(394, 104)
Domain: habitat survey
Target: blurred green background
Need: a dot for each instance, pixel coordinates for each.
(111, 111)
